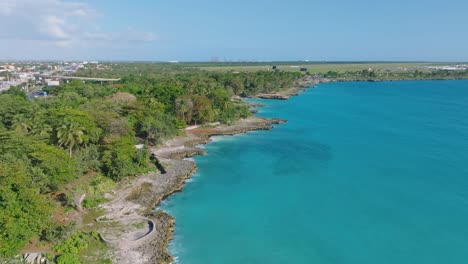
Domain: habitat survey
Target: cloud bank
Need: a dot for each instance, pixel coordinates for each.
(56, 24)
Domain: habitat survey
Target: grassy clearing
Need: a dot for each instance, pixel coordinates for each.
(317, 67)
(93, 186)
(97, 252)
(82, 247)
(89, 218)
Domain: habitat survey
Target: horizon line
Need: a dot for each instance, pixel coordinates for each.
(236, 61)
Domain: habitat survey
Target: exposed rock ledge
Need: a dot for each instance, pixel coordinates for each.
(136, 198)
(285, 93)
(275, 96)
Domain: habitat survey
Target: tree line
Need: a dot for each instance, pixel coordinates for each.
(85, 128)
(370, 74)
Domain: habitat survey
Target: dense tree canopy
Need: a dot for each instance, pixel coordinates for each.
(81, 128)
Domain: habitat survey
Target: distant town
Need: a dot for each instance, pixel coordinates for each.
(33, 76)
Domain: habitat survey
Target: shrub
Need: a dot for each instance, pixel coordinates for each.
(93, 202)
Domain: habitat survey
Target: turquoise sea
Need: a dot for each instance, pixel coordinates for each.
(362, 173)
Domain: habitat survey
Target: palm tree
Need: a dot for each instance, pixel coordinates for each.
(184, 108)
(41, 129)
(70, 135)
(21, 124)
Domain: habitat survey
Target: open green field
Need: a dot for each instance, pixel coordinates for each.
(347, 69)
(315, 67)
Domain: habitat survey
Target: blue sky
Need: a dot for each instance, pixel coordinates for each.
(234, 30)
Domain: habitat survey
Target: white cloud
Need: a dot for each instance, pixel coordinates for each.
(58, 23)
(53, 27)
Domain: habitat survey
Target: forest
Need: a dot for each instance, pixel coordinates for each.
(90, 130)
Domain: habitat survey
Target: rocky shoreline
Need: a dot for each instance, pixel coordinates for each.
(285, 94)
(136, 198)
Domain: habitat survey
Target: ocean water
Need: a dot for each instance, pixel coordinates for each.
(361, 173)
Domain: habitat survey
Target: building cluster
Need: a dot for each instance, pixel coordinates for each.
(38, 73)
(459, 67)
(13, 75)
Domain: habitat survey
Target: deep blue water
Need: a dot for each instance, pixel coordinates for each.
(361, 173)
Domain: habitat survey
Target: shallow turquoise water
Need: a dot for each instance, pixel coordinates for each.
(361, 173)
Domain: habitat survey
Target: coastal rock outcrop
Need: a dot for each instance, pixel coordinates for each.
(137, 198)
(273, 96)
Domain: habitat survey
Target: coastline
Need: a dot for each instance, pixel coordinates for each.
(396, 80)
(286, 93)
(136, 198)
(312, 82)
(170, 151)
(226, 234)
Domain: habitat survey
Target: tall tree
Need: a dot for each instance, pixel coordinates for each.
(70, 136)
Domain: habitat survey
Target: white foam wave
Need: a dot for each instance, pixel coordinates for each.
(217, 138)
(176, 260)
(202, 146)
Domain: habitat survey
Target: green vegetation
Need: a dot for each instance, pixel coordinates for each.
(380, 75)
(81, 139)
(346, 71)
(312, 67)
(24, 213)
(112, 70)
(336, 70)
(69, 249)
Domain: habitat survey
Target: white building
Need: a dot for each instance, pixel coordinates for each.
(53, 83)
